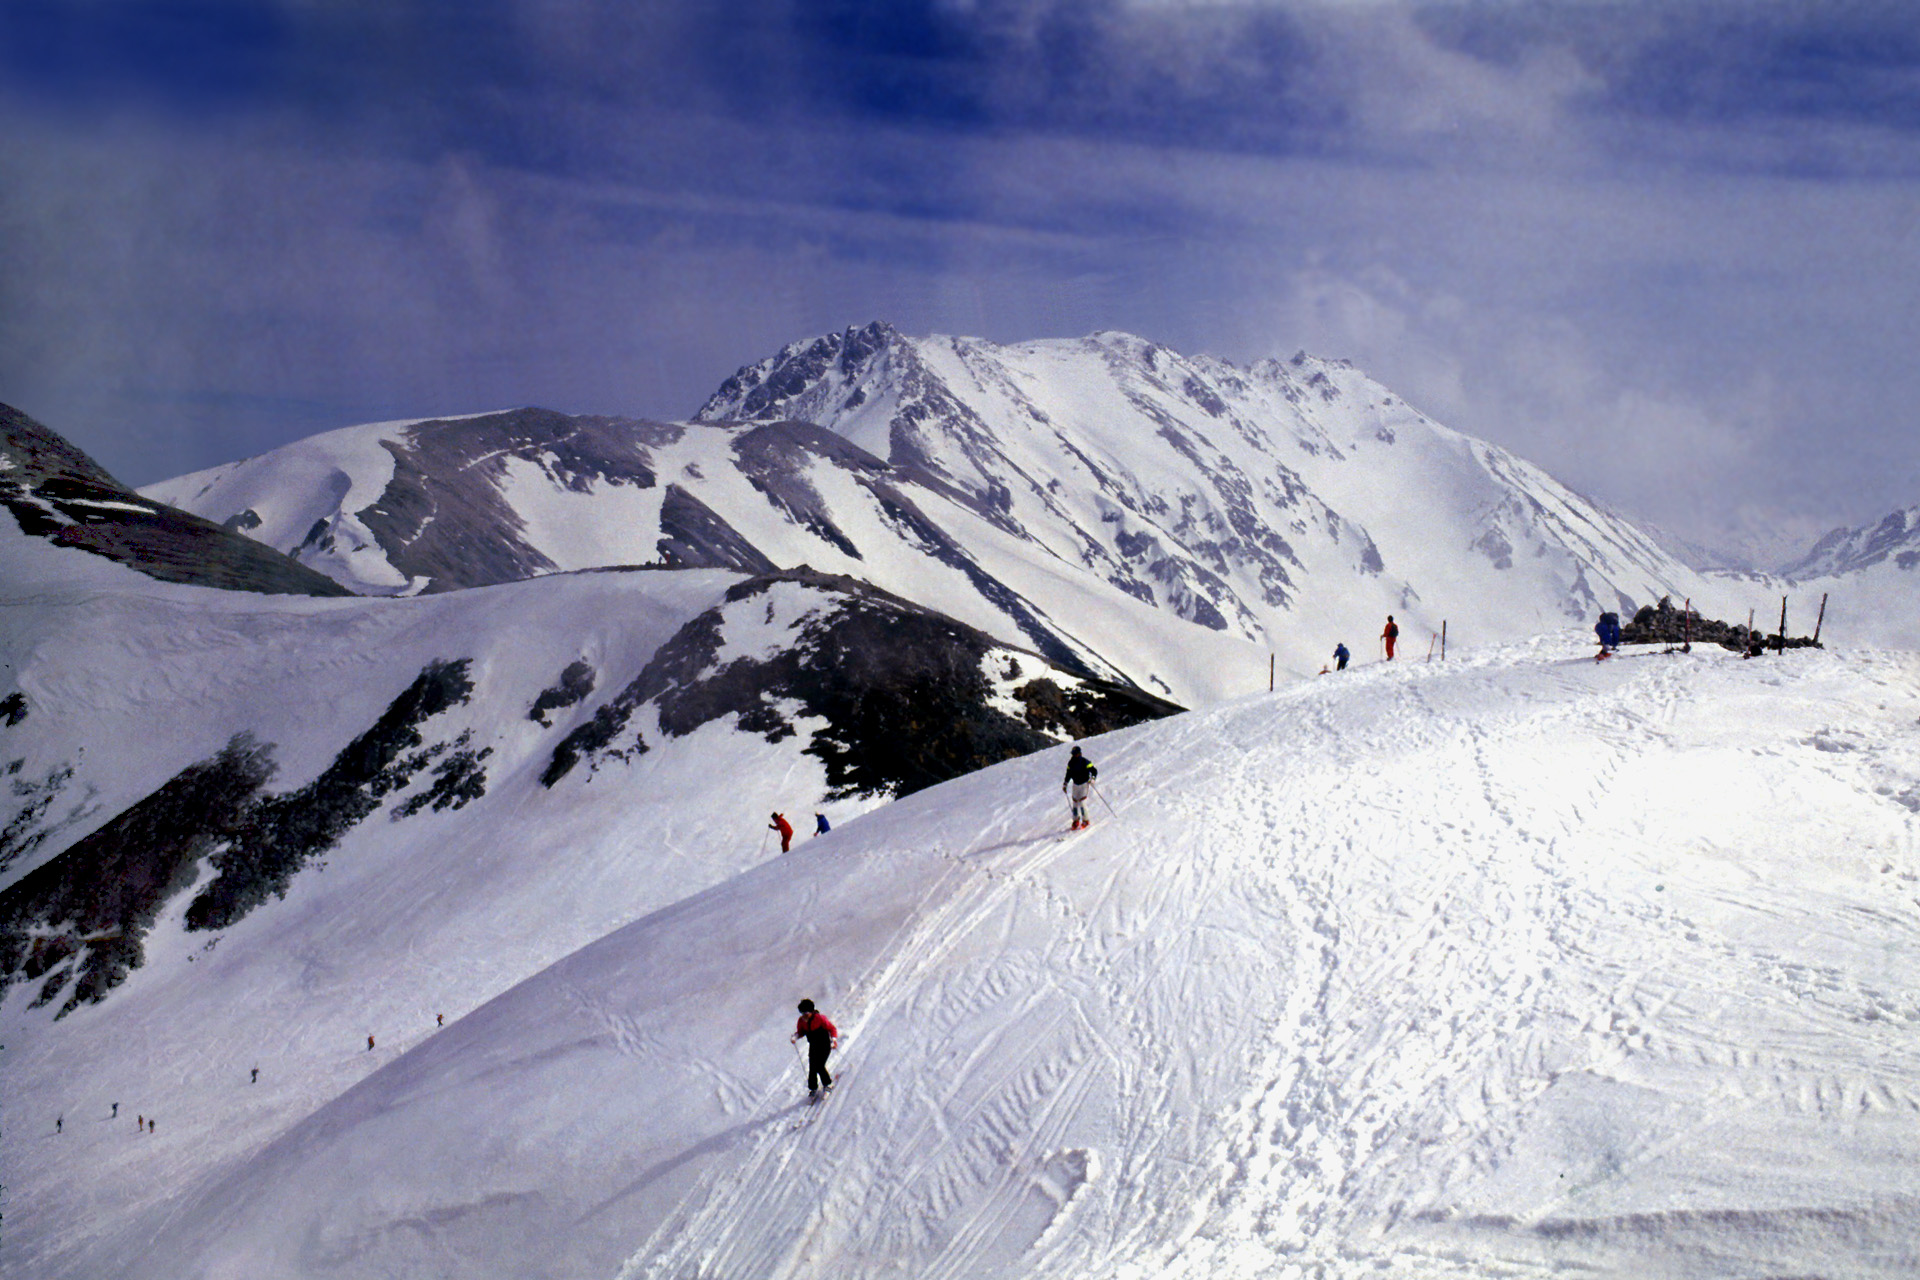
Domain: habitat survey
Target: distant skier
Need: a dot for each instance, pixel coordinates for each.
(439, 1019)
(1340, 656)
(1391, 634)
(1078, 785)
(116, 1112)
(59, 1124)
(822, 1039)
(369, 1044)
(256, 1076)
(785, 829)
(820, 826)
(1608, 630)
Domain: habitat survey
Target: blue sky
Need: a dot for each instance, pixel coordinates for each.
(1666, 250)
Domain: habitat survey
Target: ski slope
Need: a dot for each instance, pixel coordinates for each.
(1518, 965)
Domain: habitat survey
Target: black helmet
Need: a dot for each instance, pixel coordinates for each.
(806, 1006)
(1075, 751)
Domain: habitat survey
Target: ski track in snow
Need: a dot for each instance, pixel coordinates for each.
(1404, 1007)
(1515, 966)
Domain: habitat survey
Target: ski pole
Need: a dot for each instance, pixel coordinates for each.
(1095, 788)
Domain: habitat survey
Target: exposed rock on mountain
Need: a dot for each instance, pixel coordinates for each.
(903, 698)
(55, 491)
(1128, 512)
(877, 695)
(1894, 540)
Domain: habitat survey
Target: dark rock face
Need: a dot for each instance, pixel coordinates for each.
(443, 517)
(82, 916)
(1091, 708)
(278, 836)
(55, 491)
(693, 536)
(901, 688)
(575, 683)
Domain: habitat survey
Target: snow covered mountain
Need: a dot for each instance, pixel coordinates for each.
(54, 491)
(1844, 551)
(1347, 982)
(265, 798)
(1123, 510)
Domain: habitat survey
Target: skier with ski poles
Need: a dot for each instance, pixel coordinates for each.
(785, 829)
(822, 1039)
(1391, 634)
(1340, 656)
(1078, 785)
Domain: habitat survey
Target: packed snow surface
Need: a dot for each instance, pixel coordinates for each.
(1517, 965)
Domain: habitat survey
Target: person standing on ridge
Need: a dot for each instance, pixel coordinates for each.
(1340, 656)
(822, 1039)
(1388, 636)
(785, 829)
(820, 826)
(1078, 784)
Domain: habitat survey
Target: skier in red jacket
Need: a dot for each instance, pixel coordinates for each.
(1391, 634)
(822, 1039)
(785, 829)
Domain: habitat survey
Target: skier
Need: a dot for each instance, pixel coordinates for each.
(820, 826)
(116, 1112)
(439, 1019)
(1340, 656)
(256, 1076)
(1608, 630)
(785, 829)
(1388, 636)
(822, 1039)
(59, 1123)
(369, 1044)
(1078, 784)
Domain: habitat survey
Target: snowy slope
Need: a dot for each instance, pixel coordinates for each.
(1119, 508)
(51, 491)
(1252, 501)
(322, 820)
(1518, 965)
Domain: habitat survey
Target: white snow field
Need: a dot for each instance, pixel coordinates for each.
(1516, 965)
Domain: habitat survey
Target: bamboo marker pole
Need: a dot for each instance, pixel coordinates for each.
(1783, 624)
(1270, 658)
(1443, 639)
(1822, 618)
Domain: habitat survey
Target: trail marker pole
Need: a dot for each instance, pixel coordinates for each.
(1443, 639)
(1686, 626)
(1269, 673)
(1783, 624)
(1822, 618)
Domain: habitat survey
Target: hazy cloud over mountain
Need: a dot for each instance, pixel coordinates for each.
(1665, 251)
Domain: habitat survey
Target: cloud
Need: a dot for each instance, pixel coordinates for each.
(1585, 231)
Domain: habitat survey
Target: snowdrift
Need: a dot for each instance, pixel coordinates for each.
(1515, 965)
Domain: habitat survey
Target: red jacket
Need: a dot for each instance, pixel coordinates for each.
(815, 1024)
(781, 825)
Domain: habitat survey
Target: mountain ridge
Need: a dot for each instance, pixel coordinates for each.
(1127, 511)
